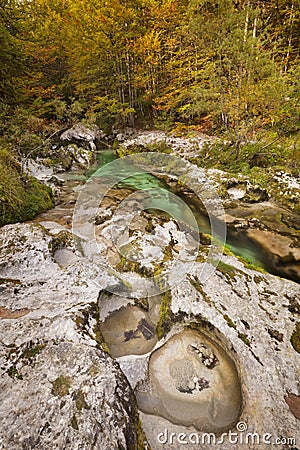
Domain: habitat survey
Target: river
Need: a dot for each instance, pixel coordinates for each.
(236, 241)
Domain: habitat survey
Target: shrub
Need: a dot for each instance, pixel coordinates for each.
(21, 197)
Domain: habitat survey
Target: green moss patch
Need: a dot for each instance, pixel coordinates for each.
(295, 338)
(195, 282)
(165, 318)
(244, 338)
(74, 423)
(23, 356)
(21, 197)
(229, 321)
(61, 386)
(32, 351)
(80, 401)
(224, 268)
(61, 240)
(14, 373)
(9, 280)
(88, 323)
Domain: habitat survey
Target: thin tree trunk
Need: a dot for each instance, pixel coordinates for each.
(254, 28)
(291, 21)
(246, 26)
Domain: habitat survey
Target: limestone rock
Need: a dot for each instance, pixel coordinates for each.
(58, 388)
(283, 254)
(186, 147)
(238, 308)
(58, 395)
(83, 135)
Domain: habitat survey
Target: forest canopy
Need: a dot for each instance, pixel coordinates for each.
(228, 68)
(216, 65)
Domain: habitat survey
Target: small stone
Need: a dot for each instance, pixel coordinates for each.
(294, 404)
(177, 248)
(191, 385)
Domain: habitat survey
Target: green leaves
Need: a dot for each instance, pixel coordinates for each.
(163, 60)
(21, 198)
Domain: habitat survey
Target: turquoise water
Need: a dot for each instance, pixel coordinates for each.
(133, 177)
(139, 180)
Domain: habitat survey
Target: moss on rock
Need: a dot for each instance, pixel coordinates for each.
(80, 401)
(61, 240)
(61, 386)
(74, 423)
(24, 355)
(164, 323)
(21, 197)
(244, 338)
(229, 321)
(295, 338)
(88, 323)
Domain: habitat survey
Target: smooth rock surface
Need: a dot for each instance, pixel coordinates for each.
(192, 381)
(129, 331)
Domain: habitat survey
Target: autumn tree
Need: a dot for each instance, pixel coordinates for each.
(12, 61)
(229, 64)
(231, 74)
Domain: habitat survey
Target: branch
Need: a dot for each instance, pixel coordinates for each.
(270, 143)
(38, 147)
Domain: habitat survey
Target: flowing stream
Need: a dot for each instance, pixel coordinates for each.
(239, 244)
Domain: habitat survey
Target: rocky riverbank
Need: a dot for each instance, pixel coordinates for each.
(265, 216)
(53, 347)
(87, 361)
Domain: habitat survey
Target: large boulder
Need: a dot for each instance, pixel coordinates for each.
(82, 135)
(58, 394)
(241, 325)
(59, 387)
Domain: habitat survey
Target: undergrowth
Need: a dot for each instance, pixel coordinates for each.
(21, 197)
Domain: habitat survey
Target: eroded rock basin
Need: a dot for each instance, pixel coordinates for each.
(129, 331)
(192, 382)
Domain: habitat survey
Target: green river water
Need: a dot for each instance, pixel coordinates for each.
(238, 244)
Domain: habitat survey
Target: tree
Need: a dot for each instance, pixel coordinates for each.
(12, 63)
(231, 70)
